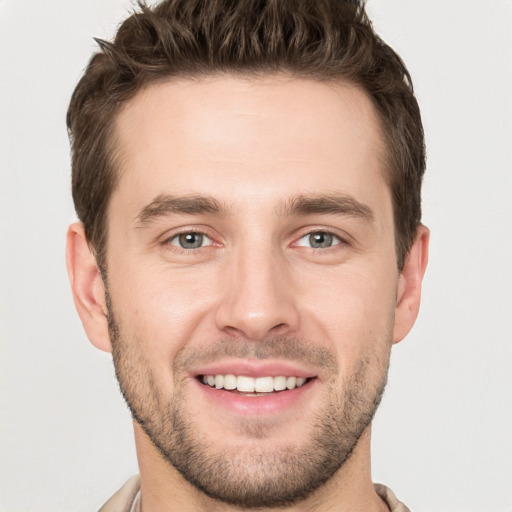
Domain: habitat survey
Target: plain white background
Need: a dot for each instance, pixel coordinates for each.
(443, 435)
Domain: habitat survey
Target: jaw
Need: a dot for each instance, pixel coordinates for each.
(162, 483)
(215, 448)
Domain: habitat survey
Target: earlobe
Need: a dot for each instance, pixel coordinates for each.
(409, 285)
(87, 287)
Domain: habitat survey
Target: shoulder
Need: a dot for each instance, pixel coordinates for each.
(390, 499)
(124, 499)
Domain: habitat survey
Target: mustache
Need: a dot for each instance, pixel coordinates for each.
(280, 347)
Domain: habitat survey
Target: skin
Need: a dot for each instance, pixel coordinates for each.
(254, 146)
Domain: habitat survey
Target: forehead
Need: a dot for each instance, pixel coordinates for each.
(239, 137)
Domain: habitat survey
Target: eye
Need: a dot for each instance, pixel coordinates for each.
(190, 240)
(319, 240)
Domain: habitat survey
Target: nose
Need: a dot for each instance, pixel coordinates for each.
(257, 298)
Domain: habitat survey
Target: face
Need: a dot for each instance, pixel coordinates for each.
(252, 279)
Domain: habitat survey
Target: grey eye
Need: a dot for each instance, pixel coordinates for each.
(190, 240)
(319, 240)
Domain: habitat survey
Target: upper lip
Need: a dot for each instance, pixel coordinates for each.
(255, 368)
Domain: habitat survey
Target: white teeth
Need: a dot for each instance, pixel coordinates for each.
(219, 381)
(229, 382)
(252, 385)
(245, 384)
(279, 383)
(264, 384)
(291, 382)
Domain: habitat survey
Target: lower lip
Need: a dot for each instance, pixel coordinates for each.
(257, 405)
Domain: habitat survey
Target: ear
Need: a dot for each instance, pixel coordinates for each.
(87, 286)
(409, 285)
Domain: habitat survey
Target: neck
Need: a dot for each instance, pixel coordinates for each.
(163, 489)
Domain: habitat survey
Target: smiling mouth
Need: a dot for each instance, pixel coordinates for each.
(253, 386)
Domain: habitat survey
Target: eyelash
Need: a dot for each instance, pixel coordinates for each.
(167, 242)
(337, 241)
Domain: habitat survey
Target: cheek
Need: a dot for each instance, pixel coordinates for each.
(160, 307)
(354, 310)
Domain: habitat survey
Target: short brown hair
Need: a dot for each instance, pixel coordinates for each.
(322, 40)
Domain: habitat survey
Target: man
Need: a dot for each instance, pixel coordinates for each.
(247, 177)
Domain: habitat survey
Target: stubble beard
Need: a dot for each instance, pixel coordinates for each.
(252, 476)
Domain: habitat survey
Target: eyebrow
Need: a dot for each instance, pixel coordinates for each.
(303, 204)
(327, 204)
(163, 205)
